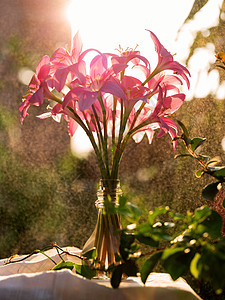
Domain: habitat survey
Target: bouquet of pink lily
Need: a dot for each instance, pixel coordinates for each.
(106, 100)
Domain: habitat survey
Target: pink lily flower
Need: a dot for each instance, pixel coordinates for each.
(129, 56)
(158, 119)
(38, 87)
(134, 91)
(86, 88)
(166, 62)
(61, 62)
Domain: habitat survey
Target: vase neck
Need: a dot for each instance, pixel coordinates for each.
(108, 190)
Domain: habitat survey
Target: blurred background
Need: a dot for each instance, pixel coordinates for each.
(47, 187)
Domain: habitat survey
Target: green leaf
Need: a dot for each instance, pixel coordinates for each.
(116, 276)
(194, 266)
(203, 158)
(220, 172)
(176, 216)
(85, 271)
(147, 240)
(215, 169)
(202, 213)
(128, 210)
(122, 201)
(157, 212)
(223, 203)
(196, 142)
(64, 265)
(149, 265)
(185, 131)
(209, 192)
(91, 254)
(199, 173)
(130, 268)
(212, 225)
(176, 261)
(126, 240)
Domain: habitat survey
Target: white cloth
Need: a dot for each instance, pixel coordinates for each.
(32, 280)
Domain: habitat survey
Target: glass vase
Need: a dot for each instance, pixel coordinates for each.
(106, 235)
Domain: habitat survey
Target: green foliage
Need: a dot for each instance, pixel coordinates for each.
(149, 265)
(182, 245)
(210, 191)
(85, 270)
(64, 265)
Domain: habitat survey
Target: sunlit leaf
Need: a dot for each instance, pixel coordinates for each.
(194, 265)
(199, 173)
(85, 271)
(64, 265)
(149, 265)
(157, 212)
(176, 216)
(202, 213)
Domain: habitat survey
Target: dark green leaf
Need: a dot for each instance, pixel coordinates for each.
(220, 172)
(64, 265)
(203, 158)
(196, 142)
(85, 271)
(147, 240)
(91, 254)
(130, 268)
(212, 225)
(122, 201)
(209, 192)
(223, 203)
(176, 261)
(116, 276)
(185, 131)
(126, 240)
(149, 265)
